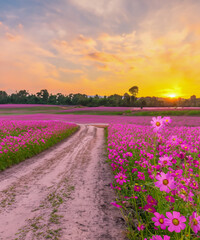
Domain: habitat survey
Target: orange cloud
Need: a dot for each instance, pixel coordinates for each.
(67, 70)
(11, 37)
(103, 57)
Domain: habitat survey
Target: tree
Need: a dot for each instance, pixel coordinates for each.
(133, 91)
(193, 100)
(21, 96)
(126, 100)
(43, 95)
(52, 99)
(3, 97)
(114, 100)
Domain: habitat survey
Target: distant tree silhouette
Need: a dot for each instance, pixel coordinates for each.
(133, 91)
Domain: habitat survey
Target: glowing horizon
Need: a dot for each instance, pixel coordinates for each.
(101, 47)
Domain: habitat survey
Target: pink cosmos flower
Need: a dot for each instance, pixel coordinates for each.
(175, 221)
(194, 222)
(185, 194)
(158, 237)
(151, 200)
(159, 220)
(170, 199)
(137, 188)
(192, 184)
(129, 154)
(120, 178)
(149, 208)
(167, 120)
(134, 170)
(116, 205)
(140, 227)
(165, 182)
(165, 161)
(157, 123)
(141, 176)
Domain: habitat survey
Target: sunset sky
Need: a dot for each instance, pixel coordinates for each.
(100, 46)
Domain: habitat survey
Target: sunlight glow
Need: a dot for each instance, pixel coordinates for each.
(172, 95)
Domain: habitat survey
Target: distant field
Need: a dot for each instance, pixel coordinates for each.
(24, 105)
(103, 119)
(24, 109)
(15, 109)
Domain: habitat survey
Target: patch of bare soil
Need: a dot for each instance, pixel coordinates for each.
(63, 193)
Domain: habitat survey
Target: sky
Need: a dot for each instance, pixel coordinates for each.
(101, 46)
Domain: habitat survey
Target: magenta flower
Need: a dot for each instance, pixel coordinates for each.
(116, 205)
(158, 237)
(137, 188)
(165, 182)
(120, 178)
(167, 120)
(170, 199)
(140, 227)
(134, 170)
(165, 161)
(149, 208)
(159, 220)
(195, 222)
(157, 123)
(175, 221)
(141, 176)
(151, 200)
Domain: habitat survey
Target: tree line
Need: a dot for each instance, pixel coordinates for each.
(127, 100)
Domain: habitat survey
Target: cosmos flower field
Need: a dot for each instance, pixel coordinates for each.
(157, 173)
(20, 140)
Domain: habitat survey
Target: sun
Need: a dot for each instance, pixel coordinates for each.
(172, 95)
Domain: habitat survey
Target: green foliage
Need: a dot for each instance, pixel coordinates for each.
(168, 113)
(92, 113)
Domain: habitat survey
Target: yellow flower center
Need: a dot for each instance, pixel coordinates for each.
(161, 221)
(121, 178)
(165, 181)
(165, 162)
(195, 221)
(158, 124)
(184, 192)
(167, 120)
(175, 221)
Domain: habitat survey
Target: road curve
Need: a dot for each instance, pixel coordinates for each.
(62, 193)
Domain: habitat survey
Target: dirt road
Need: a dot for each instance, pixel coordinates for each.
(63, 193)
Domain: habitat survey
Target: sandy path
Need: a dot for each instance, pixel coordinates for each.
(63, 193)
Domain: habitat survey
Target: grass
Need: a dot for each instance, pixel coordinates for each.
(140, 113)
(92, 113)
(168, 113)
(28, 110)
